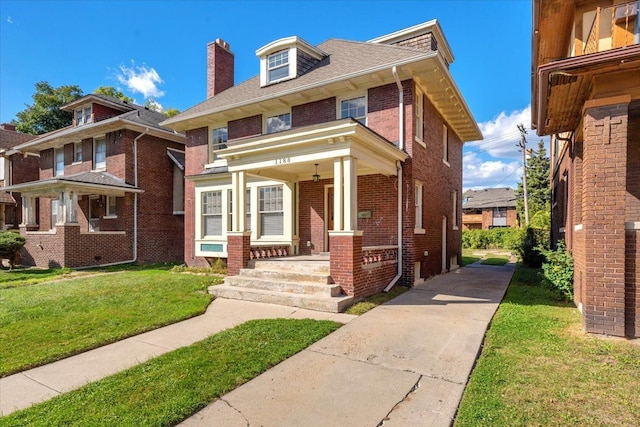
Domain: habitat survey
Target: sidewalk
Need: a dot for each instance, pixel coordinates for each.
(36, 385)
(405, 363)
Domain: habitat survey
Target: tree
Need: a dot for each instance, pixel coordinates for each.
(170, 112)
(113, 92)
(538, 185)
(45, 115)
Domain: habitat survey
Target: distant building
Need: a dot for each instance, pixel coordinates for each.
(586, 95)
(488, 208)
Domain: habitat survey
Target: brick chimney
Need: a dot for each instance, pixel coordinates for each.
(8, 126)
(219, 67)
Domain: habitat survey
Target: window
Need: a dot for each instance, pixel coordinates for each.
(454, 210)
(55, 209)
(499, 217)
(277, 66)
(271, 211)
(212, 213)
(83, 116)
(418, 205)
(419, 114)
(355, 108)
(77, 152)
(218, 142)
(230, 210)
(99, 153)
(111, 207)
(58, 161)
(278, 123)
(445, 144)
(247, 209)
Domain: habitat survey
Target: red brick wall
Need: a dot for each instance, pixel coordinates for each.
(313, 113)
(603, 212)
(382, 109)
(512, 217)
(246, 127)
(102, 112)
(632, 249)
(196, 158)
(23, 169)
(239, 247)
(312, 216)
(487, 218)
(346, 264)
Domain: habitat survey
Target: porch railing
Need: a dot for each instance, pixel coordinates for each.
(271, 251)
(379, 255)
(624, 27)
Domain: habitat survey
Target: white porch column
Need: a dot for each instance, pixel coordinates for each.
(337, 195)
(62, 208)
(350, 194)
(238, 192)
(68, 204)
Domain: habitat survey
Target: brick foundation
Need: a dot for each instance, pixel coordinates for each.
(238, 252)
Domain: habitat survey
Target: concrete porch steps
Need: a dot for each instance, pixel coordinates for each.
(293, 282)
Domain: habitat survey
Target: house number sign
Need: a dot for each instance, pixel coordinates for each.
(283, 161)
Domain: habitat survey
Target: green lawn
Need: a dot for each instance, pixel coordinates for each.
(171, 387)
(493, 259)
(49, 321)
(538, 368)
(468, 257)
(30, 276)
(375, 300)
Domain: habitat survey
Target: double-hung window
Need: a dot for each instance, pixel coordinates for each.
(212, 213)
(58, 161)
(278, 66)
(355, 108)
(55, 209)
(419, 115)
(278, 123)
(83, 116)
(247, 209)
(271, 211)
(218, 142)
(110, 210)
(99, 153)
(77, 152)
(418, 205)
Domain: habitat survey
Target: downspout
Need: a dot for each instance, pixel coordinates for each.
(135, 207)
(399, 172)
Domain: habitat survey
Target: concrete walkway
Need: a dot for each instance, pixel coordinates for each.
(36, 385)
(404, 363)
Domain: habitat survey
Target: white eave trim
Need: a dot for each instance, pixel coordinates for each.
(632, 225)
(288, 42)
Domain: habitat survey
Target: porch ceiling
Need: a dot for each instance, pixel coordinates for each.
(292, 155)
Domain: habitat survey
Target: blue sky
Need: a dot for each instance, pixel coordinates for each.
(158, 50)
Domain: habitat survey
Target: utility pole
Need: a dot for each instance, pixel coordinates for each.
(523, 147)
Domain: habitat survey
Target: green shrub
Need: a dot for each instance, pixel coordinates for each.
(10, 245)
(558, 269)
(496, 238)
(530, 247)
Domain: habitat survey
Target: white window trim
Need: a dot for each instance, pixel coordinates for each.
(215, 162)
(75, 147)
(83, 114)
(275, 113)
(418, 203)
(289, 51)
(353, 95)
(293, 65)
(107, 214)
(445, 145)
(56, 151)
(95, 140)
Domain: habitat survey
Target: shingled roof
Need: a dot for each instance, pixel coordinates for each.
(11, 138)
(489, 198)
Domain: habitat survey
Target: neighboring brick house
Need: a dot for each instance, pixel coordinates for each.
(110, 188)
(586, 95)
(488, 208)
(320, 153)
(14, 169)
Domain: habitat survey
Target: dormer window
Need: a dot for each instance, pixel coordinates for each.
(83, 116)
(278, 66)
(286, 59)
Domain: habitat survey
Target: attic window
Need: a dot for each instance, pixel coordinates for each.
(278, 66)
(83, 116)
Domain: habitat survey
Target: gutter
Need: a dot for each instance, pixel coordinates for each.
(399, 169)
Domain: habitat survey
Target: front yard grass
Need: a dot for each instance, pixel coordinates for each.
(468, 257)
(49, 321)
(538, 367)
(171, 387)
(493, 259)
(30, 276)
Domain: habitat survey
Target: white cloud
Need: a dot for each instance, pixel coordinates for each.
(9, 20)
(141, 79)
(478, 173)
(154, 105)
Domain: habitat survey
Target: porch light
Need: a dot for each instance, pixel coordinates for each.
(316, 177)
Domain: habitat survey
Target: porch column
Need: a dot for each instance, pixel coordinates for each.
(238, 248)
(337, 194)
(238, 192)
(350, 193)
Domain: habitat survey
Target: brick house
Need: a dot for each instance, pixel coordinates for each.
(488, 208)
(14, 169)
(323, 157)
(109, 189)
(586, 95)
